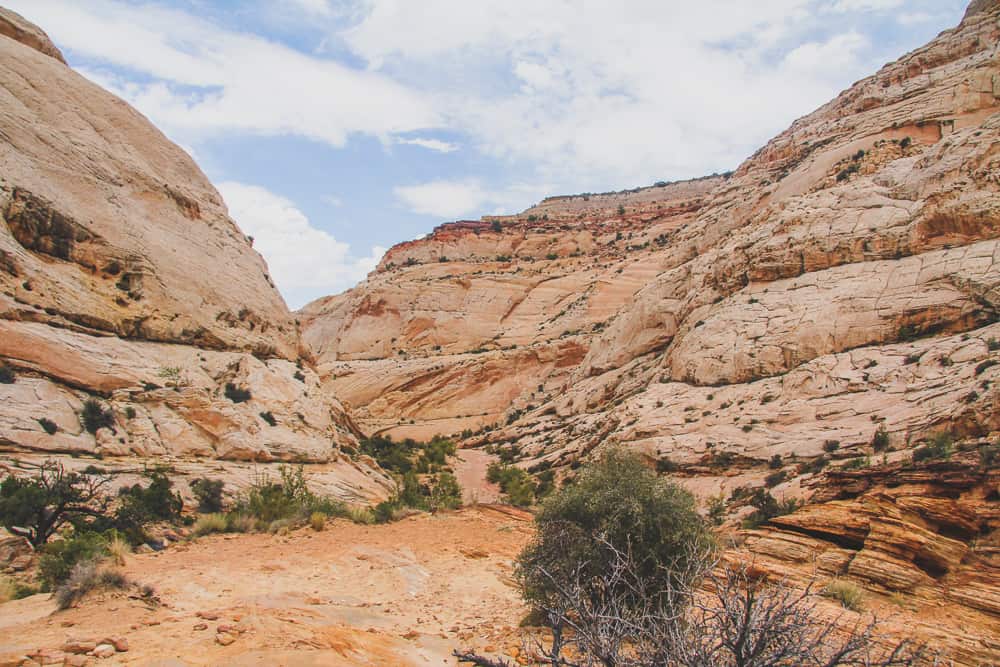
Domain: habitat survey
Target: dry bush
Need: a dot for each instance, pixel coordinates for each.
(85, 577)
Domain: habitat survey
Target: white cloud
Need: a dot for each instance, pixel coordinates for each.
(608, 95)
(865, 5)
(200, 78)
(305, 262)
(443, 199)
(458, 198)
(319, 7)
(431, 144)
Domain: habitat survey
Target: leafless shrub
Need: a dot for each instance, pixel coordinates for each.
(716, 615)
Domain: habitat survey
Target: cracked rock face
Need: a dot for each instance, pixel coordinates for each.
(123, 279)
(864, 233)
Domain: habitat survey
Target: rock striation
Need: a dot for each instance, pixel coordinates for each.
(123, 280)
(842, 278)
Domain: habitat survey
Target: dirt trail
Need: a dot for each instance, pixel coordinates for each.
(470, 468)
(400, 594)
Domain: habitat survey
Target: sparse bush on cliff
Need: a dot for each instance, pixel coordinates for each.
(941, 446)
(48, 425)
(880, 441)
(767, 507)
(95, 416)
(237, 394)
(847, 593)
(7, 375)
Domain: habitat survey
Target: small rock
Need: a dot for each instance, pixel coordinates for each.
(21, 563)
(104, 651)
(200, 626)
(224, 638)
(207, 615)
(79, 646)
(120, 643)
(76, 661)
(48, 657)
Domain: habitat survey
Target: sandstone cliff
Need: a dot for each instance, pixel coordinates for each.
(122, 278)
(843, 277)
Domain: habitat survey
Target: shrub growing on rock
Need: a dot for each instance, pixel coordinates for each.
(7, 375)
(48, 425)
(208, 492)
(95, 416)
(237, 394)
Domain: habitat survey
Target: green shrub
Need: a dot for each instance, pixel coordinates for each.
(287, 498)
(447, 494)
(831, 446)
(516, 484)
(317, 521)
(849, 594)
(139, 505)
(48, 425)
(237, 394)
(616, 503)
(717, 509)
(361, 515)
(95, 416)
(59, 557)
(775, 478)
(269, 418)
(982, 366)
(49, 500)
(210, 523)
(775, 463)
(7, 375)
(941, 446)
(240, 523)
(880, 441)
(816, 465)
(767, 507)
(208, 492)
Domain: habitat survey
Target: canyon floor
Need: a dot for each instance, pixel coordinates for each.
(407, 593)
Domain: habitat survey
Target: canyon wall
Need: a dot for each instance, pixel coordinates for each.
(123, 280)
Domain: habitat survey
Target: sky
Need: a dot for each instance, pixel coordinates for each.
(337, 128)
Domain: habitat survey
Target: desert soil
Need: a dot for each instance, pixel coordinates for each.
(407, 593)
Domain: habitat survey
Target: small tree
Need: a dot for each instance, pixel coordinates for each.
(36, 507)
(616, 505)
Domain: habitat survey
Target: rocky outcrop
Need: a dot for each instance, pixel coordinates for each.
(922, 538)
(452, 330)
(123, 280)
